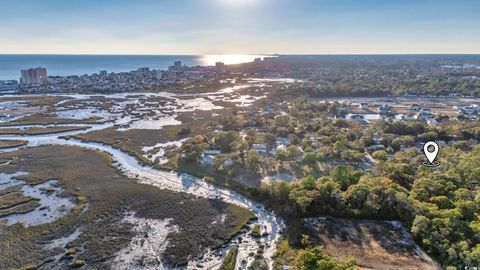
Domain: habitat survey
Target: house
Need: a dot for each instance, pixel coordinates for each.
(469, 110)
(442, 143)
(228, 162)
(384, 109)
(425, 114)
(406, 117)
(282, 141)
(415, 107)
(280, 147)
(207, 159)
(313, 138)
(212, 152)
(432, 122)
(363, 106)
(375, 147)
(268, 110)
(260, 148)
(357, 117)
(343, 111)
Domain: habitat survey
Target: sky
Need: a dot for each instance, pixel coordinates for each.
(239, 26)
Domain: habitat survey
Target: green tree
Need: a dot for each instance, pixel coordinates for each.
(293, 152)
(226, 140)
(251, 136)
(315, 259)
(242, 148)
(380, 155)
(469, 167)
(345, 176)
(270, 140)
(252, 161)
(473, 257)
(303, 192)
(193, 152)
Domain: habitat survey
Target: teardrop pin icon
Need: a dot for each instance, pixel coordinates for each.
(431, 149)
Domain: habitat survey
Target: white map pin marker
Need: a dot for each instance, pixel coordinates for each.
(431, 155)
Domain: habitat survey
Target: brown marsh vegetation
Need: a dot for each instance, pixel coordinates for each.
(40, 130)
(133, 140)
(12, 143)
(103, 197)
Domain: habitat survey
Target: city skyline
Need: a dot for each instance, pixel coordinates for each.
(239, 27)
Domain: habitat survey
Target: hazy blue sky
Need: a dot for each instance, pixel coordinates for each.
(239, 26)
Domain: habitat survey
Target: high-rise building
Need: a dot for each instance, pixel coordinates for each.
(34, 76)
(177, 65)
(143, 70)
(9, 86)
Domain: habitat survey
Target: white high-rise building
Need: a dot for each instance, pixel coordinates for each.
(34, 76)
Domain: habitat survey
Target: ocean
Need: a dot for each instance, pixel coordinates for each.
(63, 65)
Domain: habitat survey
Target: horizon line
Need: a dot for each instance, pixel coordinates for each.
(252, 54)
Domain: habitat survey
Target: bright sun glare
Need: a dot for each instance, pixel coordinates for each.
(238, 2)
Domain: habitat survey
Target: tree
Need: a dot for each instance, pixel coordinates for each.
(218, 162)
(251, 136)
(315, 259)
(380, 155)
(310, 164)
(229, 122)
(345, 176)
(193, 152)
(301, 197)
(328, 198)
(199, 139)
(280, 191)
(310, 159)
(270, 140)
(469, 167)
(473, 257)
(399, 172)
(281, 155)
(252, 162)
(434, 185)
(377, 197)
(226, 140)
(242, 147)
(421, 225)
(293, 139)
(303, 192)
(293, 152)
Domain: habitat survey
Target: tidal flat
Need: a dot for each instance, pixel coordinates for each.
(117, 207)
(47, 119)
(103, 198)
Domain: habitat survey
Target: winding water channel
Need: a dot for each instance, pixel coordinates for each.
(270, 223)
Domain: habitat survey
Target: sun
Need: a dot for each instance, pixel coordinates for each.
(238, 2)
